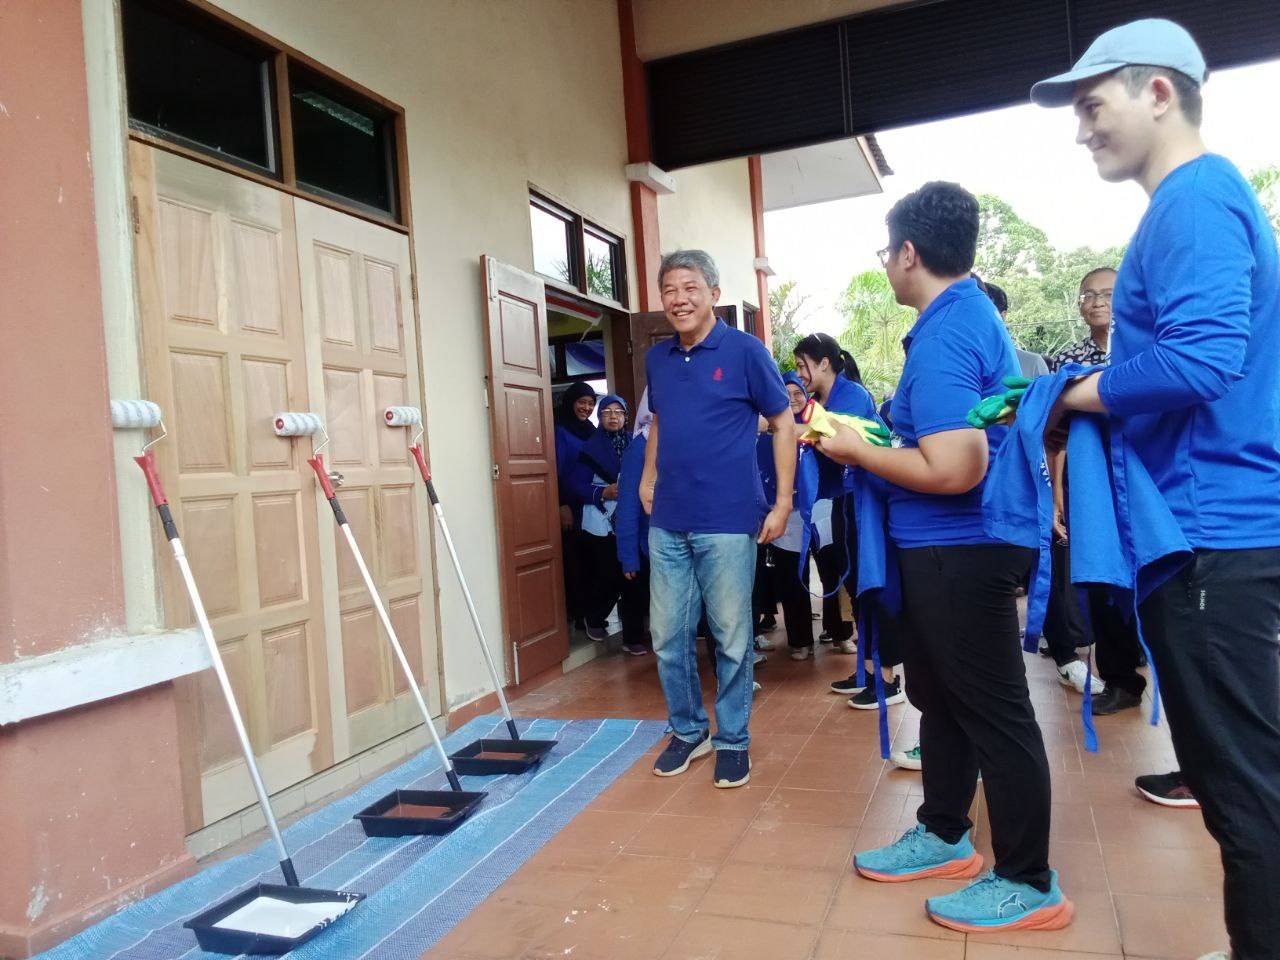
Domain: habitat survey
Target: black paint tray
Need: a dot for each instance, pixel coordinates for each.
(450, 808)
(512, 756)
(271, 929)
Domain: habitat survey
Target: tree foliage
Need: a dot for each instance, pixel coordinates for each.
(874, 325)
(786, 310)
(1266, 184)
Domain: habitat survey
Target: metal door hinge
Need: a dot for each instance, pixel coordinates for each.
(493, 293)
(631, 347)
(137, 218)
(486, 393)
(496, 472)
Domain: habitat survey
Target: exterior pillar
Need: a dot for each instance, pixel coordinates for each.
(644, 202)
(91, 796)
(764, 327)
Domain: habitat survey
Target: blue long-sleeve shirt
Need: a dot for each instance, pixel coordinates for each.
(1194, 381)
(573, 476)
(630, 522)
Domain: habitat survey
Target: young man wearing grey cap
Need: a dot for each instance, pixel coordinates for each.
(1194, 385)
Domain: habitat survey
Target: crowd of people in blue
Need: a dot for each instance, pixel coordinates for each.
(1130, 485)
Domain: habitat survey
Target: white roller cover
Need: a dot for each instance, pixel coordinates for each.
(298, 424)
(132, 414)
(403, 416)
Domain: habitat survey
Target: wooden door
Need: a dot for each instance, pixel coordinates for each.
(648, 329)
(358, 313)
(524, 457)
(224, 351)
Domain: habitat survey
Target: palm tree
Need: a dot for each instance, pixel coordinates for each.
(875, 324)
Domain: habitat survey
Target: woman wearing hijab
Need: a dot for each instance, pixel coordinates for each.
(631, 523)
(789, 575)
(573, 429)
(602, 454)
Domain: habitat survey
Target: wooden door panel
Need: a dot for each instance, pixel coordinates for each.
(355, 295)
(523, 447)
(223, 352)
(647, 330)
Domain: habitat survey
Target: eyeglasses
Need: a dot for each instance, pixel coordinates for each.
(1103, 296)
(884, 254)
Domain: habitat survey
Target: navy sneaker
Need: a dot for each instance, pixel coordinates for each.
(679, 754)
(733, 768)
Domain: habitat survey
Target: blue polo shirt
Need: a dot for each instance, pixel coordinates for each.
(708, 401)
(1194, 380)
(957, 353)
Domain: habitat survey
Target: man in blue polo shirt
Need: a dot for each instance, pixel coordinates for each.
(1194, 386)
(708, 387)
(962, 656)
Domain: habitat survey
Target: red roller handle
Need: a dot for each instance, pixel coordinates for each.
(317, 464)
(807, 413)
(148, 464)
(416, 450)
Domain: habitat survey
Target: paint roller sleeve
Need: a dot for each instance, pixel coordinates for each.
(130, 414)
(298, 424)
(403, 416)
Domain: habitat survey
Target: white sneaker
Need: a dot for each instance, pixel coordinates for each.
(801, 653)
(755, 686)
(1076, 673)
(906, 759)
(847, 646)
(764, 643)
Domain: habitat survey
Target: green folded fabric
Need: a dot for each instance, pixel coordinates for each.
(999, 407)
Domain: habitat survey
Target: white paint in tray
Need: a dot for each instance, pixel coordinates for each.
(280, 918)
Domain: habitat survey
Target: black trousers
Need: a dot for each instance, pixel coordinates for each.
(966, 675)
(574, 575)
(1065, 627)
(830, 562)
(844, 537)
(792, 590)
(1116, 648)
(608, 586)
(1212, 632)
(764, 598)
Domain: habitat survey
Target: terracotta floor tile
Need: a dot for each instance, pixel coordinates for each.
(1164, 871)
(1073, 823)
(831, 808)
(1170, 927)
(631, 881)
(866, 906)
(542, 883)
(595, 836)
(804, 845)
(979, 949)
(1080, 868)
(636, 796)
(609, 934)
(1093, 930)
(698, 797)
(711, 937)
(831, 774)
(1149, 825)
(686, 838)
(500, 933)
(763, 892)
(857, 945)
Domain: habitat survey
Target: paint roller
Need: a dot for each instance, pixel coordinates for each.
(145, 415)
(308, 424)
(412, 416)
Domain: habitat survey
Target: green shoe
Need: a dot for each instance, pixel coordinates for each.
(906, 759)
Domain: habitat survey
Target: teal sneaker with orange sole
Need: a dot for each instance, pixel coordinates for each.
(918, 854)
(992, 903)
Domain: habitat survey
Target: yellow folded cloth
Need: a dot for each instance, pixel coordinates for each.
(819, 423)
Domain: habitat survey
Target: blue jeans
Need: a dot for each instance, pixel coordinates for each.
(687, 573)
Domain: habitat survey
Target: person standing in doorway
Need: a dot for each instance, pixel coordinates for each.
(708, 387)
(1193, 387)
(963, 663)
(573, 429)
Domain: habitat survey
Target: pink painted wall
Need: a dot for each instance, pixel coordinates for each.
(90, 799)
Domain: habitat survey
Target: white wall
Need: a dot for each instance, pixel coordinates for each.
(498, 94)
(711, 210)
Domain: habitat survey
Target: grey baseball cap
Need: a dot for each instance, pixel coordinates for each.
(1152, 43)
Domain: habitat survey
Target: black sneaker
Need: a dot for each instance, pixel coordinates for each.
(851, 685)
(678, 755)
(824, 637)
(1113, 700)
(1167, 789)
(733, 768)
(865, 699)
(767, 623)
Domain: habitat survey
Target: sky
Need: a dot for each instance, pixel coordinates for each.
(1025, 154)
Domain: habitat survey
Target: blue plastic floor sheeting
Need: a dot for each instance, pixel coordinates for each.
(418, 887)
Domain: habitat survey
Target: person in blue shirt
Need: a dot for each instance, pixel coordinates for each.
(708, 387)
(1194, 388)
(963, 657)
(573, 429)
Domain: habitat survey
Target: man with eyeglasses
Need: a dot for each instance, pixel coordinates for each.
(1095, 309)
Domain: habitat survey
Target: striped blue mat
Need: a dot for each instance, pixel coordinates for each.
(418, 887)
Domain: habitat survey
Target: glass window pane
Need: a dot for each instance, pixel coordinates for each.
(342, 143)
(601, 273)
(550, 244)
(191, 79)
(584, 357)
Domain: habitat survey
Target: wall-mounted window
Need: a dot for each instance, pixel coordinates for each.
(343, 144)
(192, 80)
(218, 92)
(749, 314)
(576, 253)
